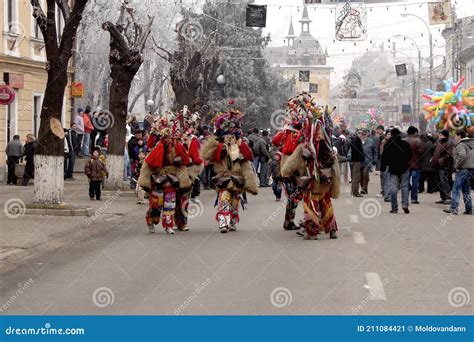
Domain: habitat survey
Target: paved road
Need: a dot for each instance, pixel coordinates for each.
(421, 263)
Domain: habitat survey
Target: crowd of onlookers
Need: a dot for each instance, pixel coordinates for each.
(410, 162)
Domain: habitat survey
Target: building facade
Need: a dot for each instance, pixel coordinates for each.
(22, 66)
(303, 60)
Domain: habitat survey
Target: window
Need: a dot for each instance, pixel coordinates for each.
(11, 16)
(37, 102)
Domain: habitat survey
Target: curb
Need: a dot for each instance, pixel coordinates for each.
(60, 212)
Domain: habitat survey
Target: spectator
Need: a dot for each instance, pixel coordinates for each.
(385, 179)
(70, 157)
(133, 150)
(274, 170)
(342, 145)
(79, 121)
(253, 144)
(442, 161)
(356, 157)
(13, 150)
(463, 154)
(134, 125)
(95, 131)
(95, 171)
(88, 128)
(397, 155)
(379, 138)
(428, 173)
(264, 152)
(415, 162)
(29, 155)
(369, 147)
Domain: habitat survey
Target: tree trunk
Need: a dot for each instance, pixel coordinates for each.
(122, 76)
(49, 158)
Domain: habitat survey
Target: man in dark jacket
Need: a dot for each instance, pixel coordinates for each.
(263, 147)
(442, 161)
(73, 148)
(415, 162)
(397, 155)
(29, 155)
(133, 152)
(356, 156)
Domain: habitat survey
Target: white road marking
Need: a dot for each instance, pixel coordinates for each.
(354, 218)
(359, 238)
(375, 286)
(348, 201)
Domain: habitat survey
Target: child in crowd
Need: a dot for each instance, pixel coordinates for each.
(274, 171)
(95, 171)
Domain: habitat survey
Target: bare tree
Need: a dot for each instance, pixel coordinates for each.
(127, 41)
(193, 67)
(49, 158)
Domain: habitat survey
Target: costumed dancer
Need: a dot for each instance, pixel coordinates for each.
(315, 165)
(163, 173)
(286, 141)
(189, 122)
(232, 159)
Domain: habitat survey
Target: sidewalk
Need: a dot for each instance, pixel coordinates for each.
(24, 236)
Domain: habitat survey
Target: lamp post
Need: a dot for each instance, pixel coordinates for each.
(413, 87)
(416, 107)
(221, 82)
(430, 42)
(150, 103)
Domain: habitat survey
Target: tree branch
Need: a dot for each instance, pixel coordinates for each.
(40, 16)
(116, 36)
(65, 9)
(70, 29)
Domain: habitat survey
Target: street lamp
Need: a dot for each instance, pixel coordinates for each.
(221, 82)
(413, 86)
(150, 103)
(430, 42)
(417, 105)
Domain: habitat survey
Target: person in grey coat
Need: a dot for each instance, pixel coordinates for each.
(463, 155)
(13, 150)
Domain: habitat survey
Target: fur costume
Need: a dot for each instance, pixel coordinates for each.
(231, 158)
(312, 166)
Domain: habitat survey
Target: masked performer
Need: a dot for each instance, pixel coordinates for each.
(315, 167)
(163, 173)
(286, 141)
(232, 159)
(189, 122)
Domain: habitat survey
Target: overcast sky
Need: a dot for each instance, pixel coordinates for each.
(382, 25)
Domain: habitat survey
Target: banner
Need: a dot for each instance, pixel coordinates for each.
(406, 113)
(401, 69)
(256, 16)
(77, 89)
(439, 13)
(351, 21)
(304, 75)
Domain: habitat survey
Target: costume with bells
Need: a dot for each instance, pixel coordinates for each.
(312, 165)
(232, 159)
(166, 172)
